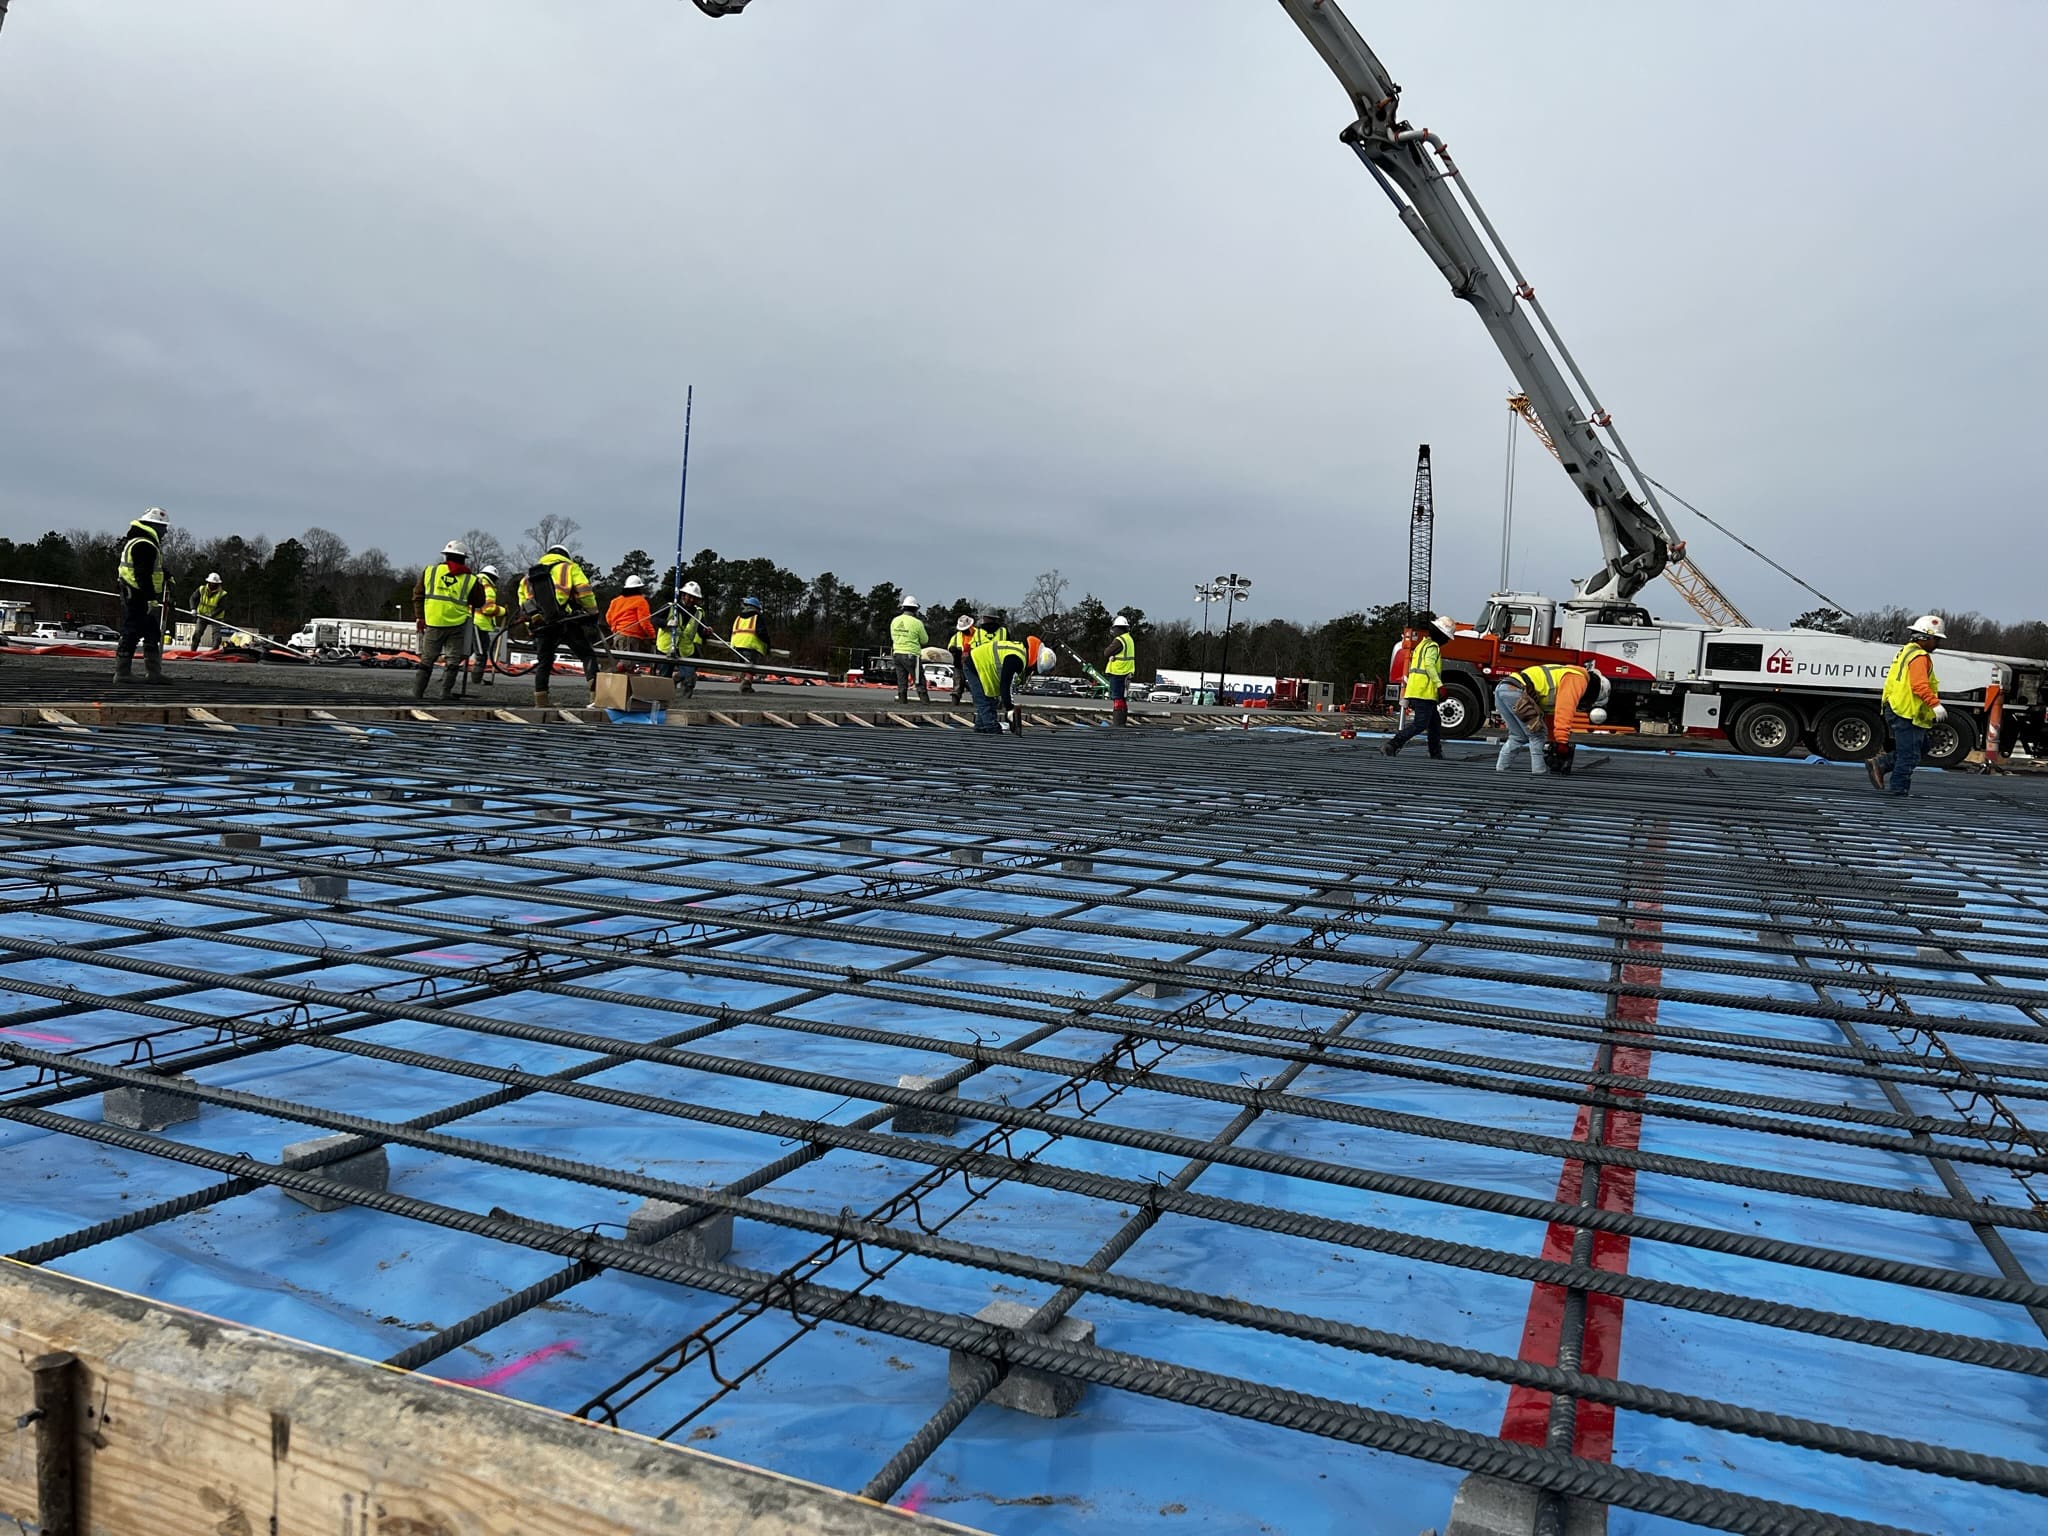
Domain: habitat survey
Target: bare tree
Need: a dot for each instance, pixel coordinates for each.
(553, 528)
(1043, 600)
(326, 555)
(484, 549)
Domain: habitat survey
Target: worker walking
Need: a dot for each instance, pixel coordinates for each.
(1912, 706)
(558, 609)
(907, 640)
(141, 577)
(631, 621)
(679, 637)
(1422, 687)
(746, 639)
(1122, 662)
(998, 665)
(208, 603)
(489, 618)
(443, 599)
(960, 644)
(1538, 704)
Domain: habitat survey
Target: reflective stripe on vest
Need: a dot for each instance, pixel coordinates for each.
(1899, 696)
(209, 602)
(447, 596)
(139, 532)
(1425, 672)
(1541, 681)
(692, 632)
(1125, 661)
(987, 652)
(491, 616)
(746, 634)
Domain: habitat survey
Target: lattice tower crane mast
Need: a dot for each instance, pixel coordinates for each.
(1421, 540)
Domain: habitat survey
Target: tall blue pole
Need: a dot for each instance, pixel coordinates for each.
(675, 611)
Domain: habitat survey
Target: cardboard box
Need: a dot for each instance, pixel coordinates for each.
(637, 692)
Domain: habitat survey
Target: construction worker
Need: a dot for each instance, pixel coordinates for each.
(999, 663)
(490, 620)
(960, 643)
(680, 636)
(207, 603)
(746, 639)
(1423, 686)
(1122, 662)
(141, 577)
(443, 599)
(558, 609)
(1543, 693)
(907, 640)
(630, 620)
(1912, 706)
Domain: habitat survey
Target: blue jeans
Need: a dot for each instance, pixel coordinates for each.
(1422, 716)
(1505, 696)
(984, 706)
(1117, 687)
(1908, 742)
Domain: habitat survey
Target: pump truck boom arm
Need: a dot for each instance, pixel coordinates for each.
(1414, 168)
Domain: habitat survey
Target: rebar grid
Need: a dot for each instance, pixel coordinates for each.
(1346, 934)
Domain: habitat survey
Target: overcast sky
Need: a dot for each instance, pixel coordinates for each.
(973, 290)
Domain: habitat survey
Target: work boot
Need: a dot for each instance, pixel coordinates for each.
(924, 695)
(153, 672)
(448, 685)
(1875, 767)
(540, 698)
(124, 669)
(1388, 749)
(419, 681)
(1016, 719)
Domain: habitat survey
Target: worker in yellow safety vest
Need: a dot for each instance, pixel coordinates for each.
(443, 599)
(558, 609)
(998, 663)
(208, 603)
(1912, 706)
(907, 640)
(1538, 705)
(679, 635)
(490, 620)
(1422, 687)
(960, 644)
(746, 639)
(140, 574)
(1122, 662)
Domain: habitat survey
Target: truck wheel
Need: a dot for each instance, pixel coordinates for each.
(1765, 730)
(1950, 741)
(1848, 733)
(1458, 711)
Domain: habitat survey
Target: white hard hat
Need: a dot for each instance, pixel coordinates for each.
(455, 547)
(1597, 715)
(1929, 624)
(634, 583)
(155, 515)
(964, 623)
(490, 570)
(213, 578)
(1048, 658)
(1443, 625)
(556, 549)
(691, 589)
(1119, 622)
(912, 603)
(1601, 688)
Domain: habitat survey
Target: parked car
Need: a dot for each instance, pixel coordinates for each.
(1166, 694)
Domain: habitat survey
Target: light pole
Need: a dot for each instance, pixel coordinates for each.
(1206, 592)
(1236, 589)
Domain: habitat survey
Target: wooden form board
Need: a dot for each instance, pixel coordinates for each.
(186, 1423)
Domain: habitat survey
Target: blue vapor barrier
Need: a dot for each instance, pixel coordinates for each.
(1339, 1129)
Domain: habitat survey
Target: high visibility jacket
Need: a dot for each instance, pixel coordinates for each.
(993, 649)
(1425, 671)
(692, 627)
(207, 602)
(962, 640)
(1541, 681)
(140, 532)
(1906, 696)
(1123, 661)
(445, 595)
(630, 616)
(746, 633)
(572, 587)
(490, 616)
(907, 634)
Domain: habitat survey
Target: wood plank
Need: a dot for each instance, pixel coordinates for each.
(188, 1423)
(62, 721)
(509, 717)
(207, 718)
(325, 717)
(903, 720)
(817, 719)
(853, 718)
(723, 718)
(774, 719)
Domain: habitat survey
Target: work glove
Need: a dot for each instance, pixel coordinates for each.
(1940, 713)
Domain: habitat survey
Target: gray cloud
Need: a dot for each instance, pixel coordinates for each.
(970, 291)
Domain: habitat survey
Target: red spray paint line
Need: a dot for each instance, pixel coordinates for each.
(1527, 1419)
(490, 1381)
(913, 1501)
(37, 1034)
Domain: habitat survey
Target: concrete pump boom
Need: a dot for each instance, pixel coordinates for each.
(1414, 168)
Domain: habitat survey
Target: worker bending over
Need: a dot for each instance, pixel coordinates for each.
(679, 636)
(747, 640)
(1422, 687)
(559, 609)
(443, 599)
(999, 664)
(489, 619)
(1537, 706)
(141, 577)
(631, 621)
(960, 644)
(207, 604)
(907, 640)
(1122, 662)
(1912, 706)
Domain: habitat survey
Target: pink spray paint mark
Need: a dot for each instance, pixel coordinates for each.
(490, 1381)
(913, 1501)
(36, 1034)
